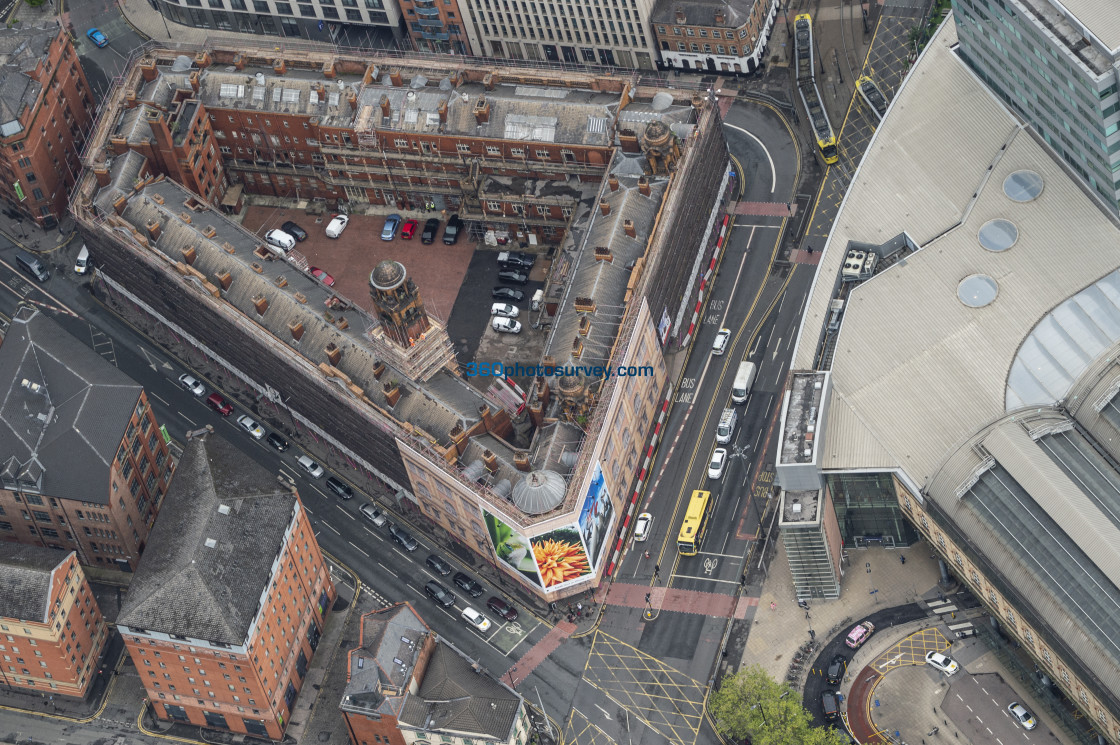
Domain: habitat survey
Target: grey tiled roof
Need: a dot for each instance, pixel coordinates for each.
(70, 417)
(183, 585)
(21, 49)
(381, 667)
(25, 580)
(455, 697)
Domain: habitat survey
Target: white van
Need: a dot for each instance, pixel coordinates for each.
(81, 264)
(281, 240)
(728, 422)
(744, 379)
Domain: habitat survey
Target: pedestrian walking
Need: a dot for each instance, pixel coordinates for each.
(809, 249)
(902, 558)
(773, 605)
(647, 554)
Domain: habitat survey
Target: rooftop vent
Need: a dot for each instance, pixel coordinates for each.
(223, 509)
(33, 387)
(211, 543)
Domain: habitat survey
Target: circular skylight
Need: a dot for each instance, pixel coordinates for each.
(1022, 186)
(998, 235)
(977, 291)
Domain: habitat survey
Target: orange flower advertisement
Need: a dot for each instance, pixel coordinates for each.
(560, 556)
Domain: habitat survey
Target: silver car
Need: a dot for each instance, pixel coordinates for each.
(312, 468)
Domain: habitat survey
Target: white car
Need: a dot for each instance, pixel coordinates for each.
(642, 526)
(719, 460)
(719, 346)
(251, 426)
(505, 310)
(505, 325)
(191, 384)
(281, 240)
(337, 225)
(476, 619)
(945, 664)
(312, 468)
(1020, 714)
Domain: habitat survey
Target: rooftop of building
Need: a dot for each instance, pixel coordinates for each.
(26, 573)
(21, 51)
(1072, 21)
(63, 411)
(703, 12)
(380, 668)
(800, 508)
(456, 697)
(211, 552)
(806, 394)
(970, 361)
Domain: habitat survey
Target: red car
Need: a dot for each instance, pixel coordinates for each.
(219, 404)
(502, 608)
(409, 229)
(320, 275)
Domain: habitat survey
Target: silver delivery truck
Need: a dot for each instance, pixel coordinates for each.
(744, 379)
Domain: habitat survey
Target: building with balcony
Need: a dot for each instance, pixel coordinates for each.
(407, 686)
(1055, 65)
(622, 184)
(713, 35)
(53, 630)
(966, 393)
(46, 109)
(317, 20)
(223, 619)
(436, 26)
(86, 466)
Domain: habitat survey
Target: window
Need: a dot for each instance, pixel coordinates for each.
(493, 150)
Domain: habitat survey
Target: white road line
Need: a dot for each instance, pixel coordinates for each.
(985, 690)
(754, 225)
(376, 535)
(308, 510)
(600, 708)
(773, 173)
(418, 592)
(328, 525)
(193, 422)
(387, 569)
(363, 553)
(157, 398)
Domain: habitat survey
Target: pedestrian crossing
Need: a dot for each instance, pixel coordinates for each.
(948, 611)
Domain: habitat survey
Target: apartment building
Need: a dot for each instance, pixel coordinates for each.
(405, 685)
(47, 111)
(966, 394)
(317, 20)
(223, 620)
(51, 630)
(1055, 65)
(437, 26)
(86, 465)
(714, 35)
(622, 187)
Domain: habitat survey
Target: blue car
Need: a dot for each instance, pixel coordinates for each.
(390, 230)
(97, 37)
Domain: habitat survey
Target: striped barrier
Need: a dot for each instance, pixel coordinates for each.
(708, 275)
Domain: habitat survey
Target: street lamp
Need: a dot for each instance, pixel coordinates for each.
(510, 672)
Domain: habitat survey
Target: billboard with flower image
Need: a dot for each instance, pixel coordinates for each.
(561, 557)
(512, 548)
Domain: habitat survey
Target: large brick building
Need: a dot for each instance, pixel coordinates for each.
(406, 686)
(621, 183)
(85, 466)
(46, 108)
(223, 620)
(714, 35)
(53, 632)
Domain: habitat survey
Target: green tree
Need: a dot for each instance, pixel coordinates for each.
(751, 706)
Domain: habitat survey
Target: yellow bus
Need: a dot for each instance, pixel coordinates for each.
(695, 523)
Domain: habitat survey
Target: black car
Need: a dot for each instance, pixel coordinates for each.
(830, 706)
(516, 260)
(452, 231)
(440, 594)
(277, 442)
(502, 609)
(294, 230)
(467, 584)
(835, 672)
(431, 229)
(403, 537)
(340, 488)
(513, 277)
(507, 293)
(438, 565)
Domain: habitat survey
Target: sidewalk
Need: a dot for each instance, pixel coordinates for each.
(776, 634)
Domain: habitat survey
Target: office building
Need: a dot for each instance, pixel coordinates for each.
(316, 20)
(1055, 65)
(714, 35)
(223, 619)
(966, 393)
(405, 686)
(53, 632)
(617, 189)
(85, 463)
(46, 109)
